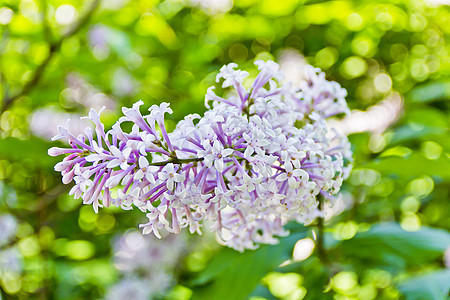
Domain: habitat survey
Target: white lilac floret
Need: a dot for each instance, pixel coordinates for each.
(257, 159)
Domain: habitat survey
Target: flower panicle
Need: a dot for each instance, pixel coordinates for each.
(256, 159)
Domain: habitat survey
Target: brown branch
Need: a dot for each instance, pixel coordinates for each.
(54, 47)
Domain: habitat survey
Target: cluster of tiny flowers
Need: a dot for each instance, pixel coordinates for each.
(146, 265)
(8, 225)
(10, 258)
(259, 157)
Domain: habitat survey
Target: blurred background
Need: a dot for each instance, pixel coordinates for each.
(387, 238)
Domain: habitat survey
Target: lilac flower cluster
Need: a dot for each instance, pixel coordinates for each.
(146, 265)
(8, 225)
(258, 158)
(10, 257)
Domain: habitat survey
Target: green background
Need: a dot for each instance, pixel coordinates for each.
(56, 61)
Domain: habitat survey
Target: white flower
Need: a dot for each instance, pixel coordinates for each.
(291, 175)
(98, 155)
(271, 68)
(157, 221)
(258, 158)
(94, 116)
(216, 155)
(230, 75)
(222, 197)
(256, 140)
(120, 158)
(127, 199)
(170, 175)
(144, 170)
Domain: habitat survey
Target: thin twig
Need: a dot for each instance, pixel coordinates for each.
(54, 47)
(176, 161)
(3, 42)
(47, 30)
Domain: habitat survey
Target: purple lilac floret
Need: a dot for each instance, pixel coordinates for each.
(257, 159)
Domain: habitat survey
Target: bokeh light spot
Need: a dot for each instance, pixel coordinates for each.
(420, 187)
(410, 204)
(29, 246)
(303, 249)
(383, 82)
(363, 46)
(345, 281)
(345, 230)
(65, 14)
(431, 150)
(80, 250)
(238, 52)
(282, 285)
(353, 67)
(410, 222)
(354, 21)
(6, 15)
(326, 57)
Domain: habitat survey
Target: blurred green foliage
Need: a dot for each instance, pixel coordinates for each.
(66, 55)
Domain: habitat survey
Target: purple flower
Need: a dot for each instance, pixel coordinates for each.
(257, 159)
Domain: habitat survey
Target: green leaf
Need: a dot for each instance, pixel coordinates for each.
(413, 131)
(430, 92)
(427, 115)
(411, 167)
(32, 151)
(234, 275)
(388, 244)
(262, 291)
(423, 123)
(316, 276)
(435, 285)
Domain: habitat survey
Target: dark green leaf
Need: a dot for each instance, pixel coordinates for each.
(233, 275)
(389, 244)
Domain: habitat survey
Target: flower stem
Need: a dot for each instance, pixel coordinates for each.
(176, 161)
(321, 252)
